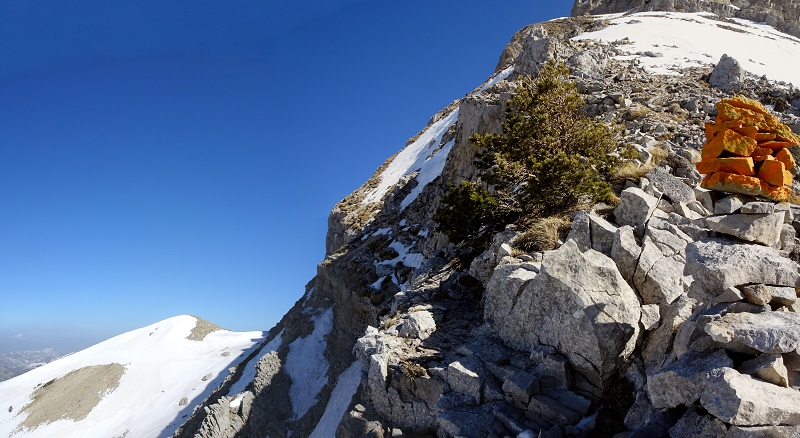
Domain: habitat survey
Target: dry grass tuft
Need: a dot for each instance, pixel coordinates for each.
(543, 235)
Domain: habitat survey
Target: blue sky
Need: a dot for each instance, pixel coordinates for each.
(161, 158)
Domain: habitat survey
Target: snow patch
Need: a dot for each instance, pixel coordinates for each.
(412, 260)
(496, 78)
(695, 40)
(307, 366)
(430, 170)
(249, 373)
(413, 158)
(341, 396)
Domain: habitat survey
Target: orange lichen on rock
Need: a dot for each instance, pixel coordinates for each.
(774, 173)
(786, 158)
(746, 151)
(740, 165)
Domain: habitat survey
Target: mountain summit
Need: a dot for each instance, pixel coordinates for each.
(671, 313)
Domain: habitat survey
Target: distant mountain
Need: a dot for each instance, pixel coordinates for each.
(143, 383)
(17, 362)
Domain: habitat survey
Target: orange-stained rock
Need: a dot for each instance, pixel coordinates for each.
(740, 165)
(747, 131)
(773, 192)
(740, 101)
(747, 117)
(733, 183)
(746, 185)
(738, 144)
(785, 134)
(785, 157)
(762, 151)
(712, 129)
(773, 173)
(765, 136)
(775, 145)
(759, 158)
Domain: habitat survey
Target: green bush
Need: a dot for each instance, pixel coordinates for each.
(549, 158)
(465, 209)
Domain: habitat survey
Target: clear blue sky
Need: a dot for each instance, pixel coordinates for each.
(160, 158)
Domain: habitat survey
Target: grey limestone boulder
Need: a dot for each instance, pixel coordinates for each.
(729, 204)
(635, 207)
(741, 400)
(717, 264)
(625, 251)
(764, 228)
(684, 382)
(673, 188)
(419, 324)
(767, 367)
(659, 275)
(727, 75)
(695, 425)
(463, 376)
(506, 283)
(768, 332)
(580, 304)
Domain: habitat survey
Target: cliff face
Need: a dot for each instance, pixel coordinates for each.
(783, 15)
(643, 319)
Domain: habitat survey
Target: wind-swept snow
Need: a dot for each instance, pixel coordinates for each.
(496, 78)
(413, 158)
(665, 42)
(307, 366)
(341, 396)
(161, 368)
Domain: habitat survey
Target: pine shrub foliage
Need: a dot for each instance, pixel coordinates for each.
(550, 157)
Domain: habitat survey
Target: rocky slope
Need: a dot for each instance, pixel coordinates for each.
(780, 14)
(672, 314)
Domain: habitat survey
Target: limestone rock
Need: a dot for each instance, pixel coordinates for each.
(729, 204)
(463, 377)
(418, 325)
(767, 367)
(685, 381)
(625, 251)
(635, 207)
(729, 295)
(580, 304)
(506, 283)
(483, 266)
(760, 228)
(716, 265)
(767, 332)
(763, 431)
(743, 401)
(673, 188)
(727, 75)
(695, 425)
(658, 276)
(659, 343)
(650, 316)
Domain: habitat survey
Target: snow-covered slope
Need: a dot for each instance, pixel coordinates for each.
(666, 42)
(139, 384)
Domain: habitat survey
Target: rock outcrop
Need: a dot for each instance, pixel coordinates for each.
(781, 14)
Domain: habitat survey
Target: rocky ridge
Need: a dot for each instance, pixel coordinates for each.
(780, 14)
(674, 313)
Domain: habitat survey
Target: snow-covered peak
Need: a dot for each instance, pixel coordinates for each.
(143, 383)
(665, 42)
